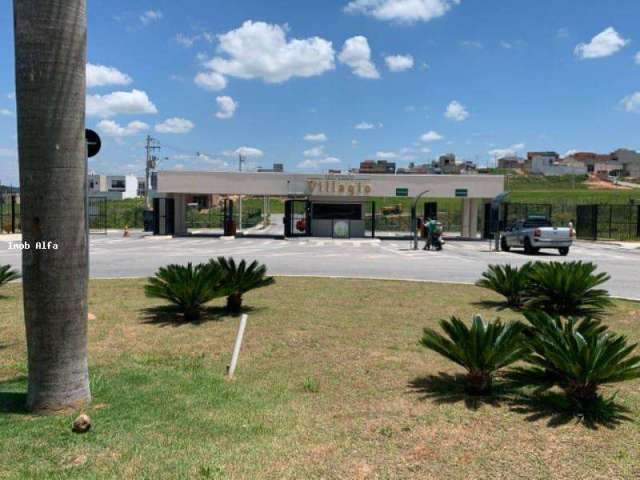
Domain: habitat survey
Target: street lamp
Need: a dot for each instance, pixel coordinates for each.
(415, 219)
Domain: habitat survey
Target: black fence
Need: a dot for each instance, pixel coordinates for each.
(608, 222)
(591, 222)
(213, 218)
(97, 213)
(10, 213)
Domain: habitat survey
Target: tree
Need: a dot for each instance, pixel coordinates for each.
(50, 56)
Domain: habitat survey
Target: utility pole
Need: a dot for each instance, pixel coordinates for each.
(241, 160)
(150, 165)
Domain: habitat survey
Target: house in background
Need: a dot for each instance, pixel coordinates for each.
(511, 162)
(630, 161)
(277, 168)
(114, 187)
(549, 164)
(379, 166)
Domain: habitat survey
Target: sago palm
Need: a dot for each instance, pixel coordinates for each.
(189, 288)
(567, 289)
(7, 274)
(508, 281)
(240, 279)
(482, 350)
(578, 355)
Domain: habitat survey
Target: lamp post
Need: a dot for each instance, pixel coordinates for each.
(415, 219)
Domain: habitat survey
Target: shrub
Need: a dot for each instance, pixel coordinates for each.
(578, 355)
(240, 279)
(7, 274)
(508, 281)
(482, 349)
(566, 289)
(189, 288)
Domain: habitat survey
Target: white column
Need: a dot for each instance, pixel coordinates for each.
(466, 216)
(473, 220)
(180, 214)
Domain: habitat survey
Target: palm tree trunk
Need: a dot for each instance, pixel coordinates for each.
(50, 56)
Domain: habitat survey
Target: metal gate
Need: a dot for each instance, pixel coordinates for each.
(521, 211)
(10, 213)
(587, 222)
(297, 218)
(163, 216)
(97, 214)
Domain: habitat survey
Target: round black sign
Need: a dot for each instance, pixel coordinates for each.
(93, 142)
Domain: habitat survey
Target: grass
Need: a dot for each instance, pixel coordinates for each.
(331, 384)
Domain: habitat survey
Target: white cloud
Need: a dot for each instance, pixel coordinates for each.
(113, 129)
(472, 44)
(356, 53)
(314, 152)
(316, 163)
(210, 81)
(226, 107)
(365, 126)
(431, 137)
(507, 152)
(315, 137)
(248, 152)
(11, 95)
(261, 50)
(101, 75)
(186, 41)
(631, 103)
(506, 45)
(175, 125)
(637, 58)
(456, 112)
(386, 155)
(604, 44)
(570, 152)
(399, 63)
(6, 112)
(151, 16)
(135, 102)
(401, 11)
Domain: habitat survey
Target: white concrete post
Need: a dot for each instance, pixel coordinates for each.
(237, 345)
(466, 216)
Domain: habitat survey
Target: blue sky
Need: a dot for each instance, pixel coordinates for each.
(405, 80)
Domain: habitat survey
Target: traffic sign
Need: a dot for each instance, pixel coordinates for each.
(462, 192)
(402, 192)
(93, 142)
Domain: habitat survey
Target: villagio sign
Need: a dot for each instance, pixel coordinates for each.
(348, 188)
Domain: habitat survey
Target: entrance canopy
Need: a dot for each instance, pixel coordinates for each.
(333, 186)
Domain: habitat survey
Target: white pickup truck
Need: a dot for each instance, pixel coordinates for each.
(536, 233)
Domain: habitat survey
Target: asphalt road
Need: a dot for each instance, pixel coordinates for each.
(141, 255)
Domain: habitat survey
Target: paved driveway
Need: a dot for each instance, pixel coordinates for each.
(141, 255)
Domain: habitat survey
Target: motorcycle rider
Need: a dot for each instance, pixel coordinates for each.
(430, 227)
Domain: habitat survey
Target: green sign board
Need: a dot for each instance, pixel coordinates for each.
(462, 192)
(402, 192)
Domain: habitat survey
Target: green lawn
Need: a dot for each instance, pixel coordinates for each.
(331, 384)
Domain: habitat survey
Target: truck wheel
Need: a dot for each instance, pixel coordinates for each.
(503, 245)
(564, 251)
(528, 248)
